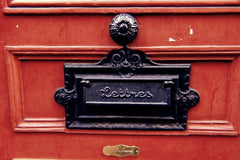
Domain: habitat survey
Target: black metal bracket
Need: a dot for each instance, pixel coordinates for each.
(126, 90)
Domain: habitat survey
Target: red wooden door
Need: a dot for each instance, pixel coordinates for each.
(38, 37)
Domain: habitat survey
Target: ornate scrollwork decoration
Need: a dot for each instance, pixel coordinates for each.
(64, 97)
(123, 29)
(187, 99)
(126, 61)
(112, 81)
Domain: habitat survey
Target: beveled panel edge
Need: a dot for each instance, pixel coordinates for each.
(41, 125)
(197, 127)
(14, 55)
(101, 3)
(116, 10)
(46, 159)
(119, 6)
(156, 53)
(182, 48)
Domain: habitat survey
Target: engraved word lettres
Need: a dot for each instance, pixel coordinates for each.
(125, 93)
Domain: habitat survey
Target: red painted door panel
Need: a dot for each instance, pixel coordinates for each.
(38, 37)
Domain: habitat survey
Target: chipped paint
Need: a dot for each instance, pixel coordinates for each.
(174, 40)
(171, 40)
(191, 31)
(17, 26)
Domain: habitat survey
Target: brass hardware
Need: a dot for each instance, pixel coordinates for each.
(121, 150)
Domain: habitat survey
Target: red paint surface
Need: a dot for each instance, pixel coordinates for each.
(32, 123)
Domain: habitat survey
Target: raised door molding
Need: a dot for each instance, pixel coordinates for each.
(81, 3)
(119, 6)
(43, 159)
(217, 113)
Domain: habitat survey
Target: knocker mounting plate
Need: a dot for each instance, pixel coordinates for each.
(126, 90)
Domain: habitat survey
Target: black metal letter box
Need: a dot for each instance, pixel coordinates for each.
(126, 90)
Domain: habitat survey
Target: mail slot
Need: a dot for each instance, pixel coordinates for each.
(155, 96)
(126, 90)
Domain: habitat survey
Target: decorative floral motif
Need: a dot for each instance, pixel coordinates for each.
(187, 99)
(123, 29)
(126, 61)
(64, 97)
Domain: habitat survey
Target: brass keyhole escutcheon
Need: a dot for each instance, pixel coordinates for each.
(121, 150)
